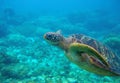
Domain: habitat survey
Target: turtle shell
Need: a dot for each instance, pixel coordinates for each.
(112, 58)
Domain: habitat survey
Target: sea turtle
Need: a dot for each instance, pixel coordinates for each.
(87, 53)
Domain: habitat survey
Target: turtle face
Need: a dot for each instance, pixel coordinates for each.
(53, 38)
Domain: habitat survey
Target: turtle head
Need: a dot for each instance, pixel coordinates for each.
(53, 37)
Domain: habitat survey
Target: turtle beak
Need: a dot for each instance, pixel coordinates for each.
(44, 36)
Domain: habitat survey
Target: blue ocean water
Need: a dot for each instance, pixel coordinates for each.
(25, 57)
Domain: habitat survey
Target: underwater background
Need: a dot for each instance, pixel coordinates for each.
(25, 57)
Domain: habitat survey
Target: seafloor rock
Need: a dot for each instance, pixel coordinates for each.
(3, 30)
(15, 71)
(11, 18)
(43, 24)
(32, 60)
(16, 40)
(37, 26)
(5, 58)
(113, 41)
(8, 12)
(26, 29)
(116, 29)
(50, 22)
(40, 31)
(107, 79)
(95, 21)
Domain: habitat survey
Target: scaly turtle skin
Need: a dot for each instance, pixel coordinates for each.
(87, 53)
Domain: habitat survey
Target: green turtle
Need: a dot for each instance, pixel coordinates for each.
(87, 53)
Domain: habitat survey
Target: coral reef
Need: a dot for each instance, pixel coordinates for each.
(116, 29)
(11, 18)
(113, 41)
(26, 58)
(95, 21)
(16, 40)
(3, 30)
(39, 62)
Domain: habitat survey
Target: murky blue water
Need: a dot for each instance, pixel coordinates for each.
(25, 57)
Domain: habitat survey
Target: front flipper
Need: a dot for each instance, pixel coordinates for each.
(77, 47)
(96, 62)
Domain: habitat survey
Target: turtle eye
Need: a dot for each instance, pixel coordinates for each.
(48, 36)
